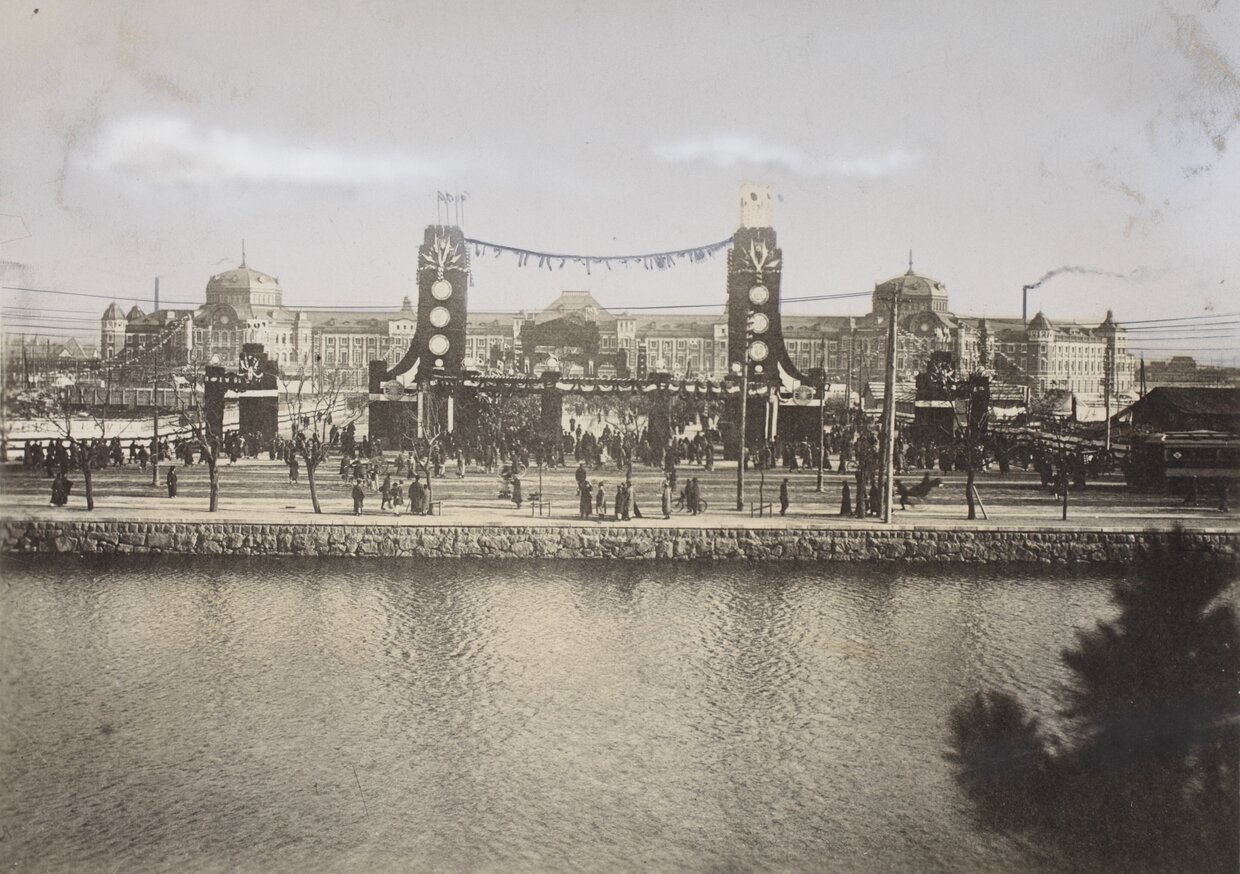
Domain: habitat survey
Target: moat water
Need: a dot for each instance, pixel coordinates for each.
(303, 715)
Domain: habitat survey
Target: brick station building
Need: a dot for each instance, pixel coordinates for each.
(244, 305)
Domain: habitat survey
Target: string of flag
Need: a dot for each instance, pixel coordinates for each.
(557, 261)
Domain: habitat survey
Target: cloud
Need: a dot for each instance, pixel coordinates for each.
(169, 149)
(733, 150)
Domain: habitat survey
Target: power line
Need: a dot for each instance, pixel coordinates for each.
(99, 296)
(1181, 319)
(1202, 325)
(9, 318)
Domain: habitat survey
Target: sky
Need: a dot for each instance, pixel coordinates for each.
(996, 140)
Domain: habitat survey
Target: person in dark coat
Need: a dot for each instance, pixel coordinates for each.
(417, 497)
(517, 496)
(875, 507)
(172, 482)
(585, 502)
(846, 501)
(667, 498)
(600, 501)
(359, 496)
(60, 491)
(783, 497)
(385, 491)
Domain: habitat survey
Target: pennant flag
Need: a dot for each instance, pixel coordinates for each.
(650, 261)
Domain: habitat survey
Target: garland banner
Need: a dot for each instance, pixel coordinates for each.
(650, 260)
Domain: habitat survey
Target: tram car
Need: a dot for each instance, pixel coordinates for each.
(1173, 458)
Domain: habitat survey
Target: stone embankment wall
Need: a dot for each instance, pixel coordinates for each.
(825, 544)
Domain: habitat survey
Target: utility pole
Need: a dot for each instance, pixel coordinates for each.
(889, 409)
(740, 455)
(155, 407)
(1108, 361)
(852, 344)
(822, 411)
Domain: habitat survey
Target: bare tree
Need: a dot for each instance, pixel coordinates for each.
(189, 390)
(56, 409)
(313, 408)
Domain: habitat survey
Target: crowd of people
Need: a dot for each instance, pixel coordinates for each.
(402, 477)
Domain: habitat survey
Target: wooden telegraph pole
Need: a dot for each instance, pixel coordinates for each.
(740, 455)
(889, 409)
(822, 411)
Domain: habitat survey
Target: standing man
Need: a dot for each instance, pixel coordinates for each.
(783, 497)
(517, 497)
(417, 496)
(585, 501)
(358, 497)
(172, 481)
(581, 476)
(667, 498)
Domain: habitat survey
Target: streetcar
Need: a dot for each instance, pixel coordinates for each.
(1175, 457)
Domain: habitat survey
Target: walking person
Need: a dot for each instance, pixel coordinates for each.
(667, 498)
(517, 496)
(172, 481)
(783, 497)
(359, 496)
(385, 492)
(600, 500)
(846, 501)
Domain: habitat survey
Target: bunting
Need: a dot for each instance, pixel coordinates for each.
(554, 261)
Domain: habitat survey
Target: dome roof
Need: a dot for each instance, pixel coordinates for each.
(1039, 323)
(112, 313)
(911, 285)
(243, 278)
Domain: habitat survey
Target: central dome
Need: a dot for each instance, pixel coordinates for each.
(916, 292)
(243, 285)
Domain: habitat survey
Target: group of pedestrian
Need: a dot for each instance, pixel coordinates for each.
(593, 502)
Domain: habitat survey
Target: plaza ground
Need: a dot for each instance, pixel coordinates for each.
(258, 491)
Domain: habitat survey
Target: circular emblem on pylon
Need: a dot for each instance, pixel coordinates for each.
(438, 345)
(393, 390)
(439, 317)
(441, 289)
(803, 393)
(758, 323)
(758, 351)
(758, 295)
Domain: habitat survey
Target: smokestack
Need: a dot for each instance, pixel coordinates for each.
(156, 294)
(1024, 304)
